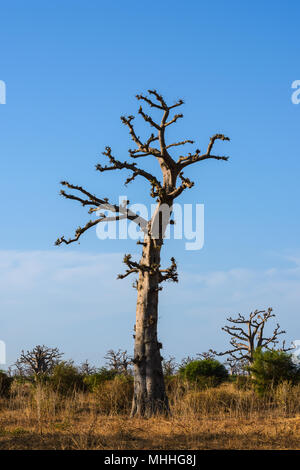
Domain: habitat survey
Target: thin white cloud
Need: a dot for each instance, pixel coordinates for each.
(73, 300)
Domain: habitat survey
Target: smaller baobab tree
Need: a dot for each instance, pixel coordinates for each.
(86, 369)
(206, 355)
(169, 366)
(118, 361)
(185, 361)
(39, 361)
(236, 366)
(248, 334)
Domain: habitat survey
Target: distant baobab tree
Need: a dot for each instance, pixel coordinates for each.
(248, 334)
(237, 366)
(169, 366)
(39, 361)
(149, 388)
(86, 369)
(118, 361)
(206, 355)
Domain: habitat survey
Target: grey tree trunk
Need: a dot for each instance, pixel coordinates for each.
(149, 388)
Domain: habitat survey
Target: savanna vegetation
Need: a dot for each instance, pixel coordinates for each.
(84, 407)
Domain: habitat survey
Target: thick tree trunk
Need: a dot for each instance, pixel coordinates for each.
(149, 388)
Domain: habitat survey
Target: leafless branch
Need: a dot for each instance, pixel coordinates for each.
(169, 274)
(197, 156)
(117, 165)
(121, 212)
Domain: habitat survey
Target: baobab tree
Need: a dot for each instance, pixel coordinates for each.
(86, 369)
(169, 366)
(149, 389)
(39, 361)
(247, 334)
(237, 366)
(118, 361)
(206, 355)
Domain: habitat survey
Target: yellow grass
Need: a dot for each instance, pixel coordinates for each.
(219, 418)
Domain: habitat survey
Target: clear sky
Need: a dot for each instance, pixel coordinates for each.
(71, 69)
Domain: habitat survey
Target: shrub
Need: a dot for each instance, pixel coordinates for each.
(21, 388)
(224, 399)
(5, 384)
(66, 379)
(94, 380)
(287, 398)
(206, 372)
(242, 382)
(115, 396)
(271, 368)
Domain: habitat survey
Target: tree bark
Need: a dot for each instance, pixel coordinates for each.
(149, 388)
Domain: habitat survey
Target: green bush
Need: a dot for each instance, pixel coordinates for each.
(66, 379)
(5, 384)
(94, 380)
(205, 372)
(270, 368)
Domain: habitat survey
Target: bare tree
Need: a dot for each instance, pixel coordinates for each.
(236, 366)
(185, 361)
(149, 389)
(206, 355)
(247, 334)
(86, 369)
(118, 361)
(169, 366)
(40, 360)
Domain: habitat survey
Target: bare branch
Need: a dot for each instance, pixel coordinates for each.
(133, 267)
(121, 212)
(186, 183)
(127, 121)
(175, 118)
(159, 98)
(80, 230)
(117, 165)
(162, 154)
(148, 118)
(180, 143)
(147, 100)
(197, 156)
(169, 274)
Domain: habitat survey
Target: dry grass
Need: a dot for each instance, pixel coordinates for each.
(220, 418)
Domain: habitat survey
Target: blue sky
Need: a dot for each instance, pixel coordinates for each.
(71, 69)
